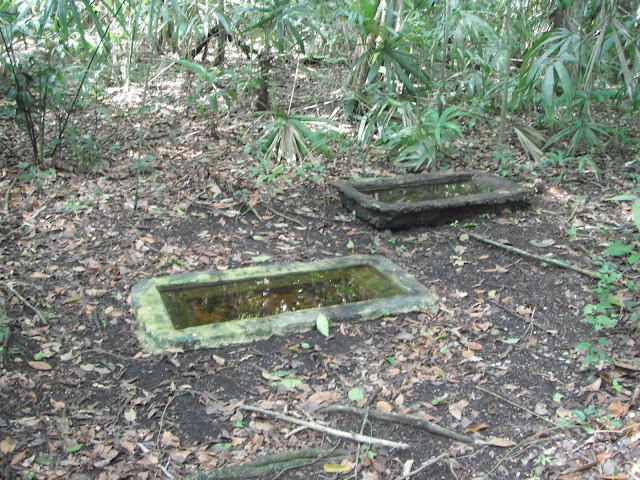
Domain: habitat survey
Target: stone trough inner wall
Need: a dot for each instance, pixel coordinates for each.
(355, 196)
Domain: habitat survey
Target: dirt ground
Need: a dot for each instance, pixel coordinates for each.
(496, 360)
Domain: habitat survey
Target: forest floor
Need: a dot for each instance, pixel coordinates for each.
(496, 361)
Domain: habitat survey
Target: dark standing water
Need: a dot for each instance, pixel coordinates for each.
(422, 193)
(204, 304)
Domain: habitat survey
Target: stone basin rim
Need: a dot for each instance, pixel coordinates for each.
(157, 332)
(357, 190)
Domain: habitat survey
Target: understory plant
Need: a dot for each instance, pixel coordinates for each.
(610, 306)
(288, 140)
(418, 146)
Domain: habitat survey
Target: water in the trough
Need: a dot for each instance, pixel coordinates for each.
(203, 304)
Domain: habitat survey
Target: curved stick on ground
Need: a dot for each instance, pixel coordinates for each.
(552, 261)
(409, 420)
(356, 437)
(26, 302)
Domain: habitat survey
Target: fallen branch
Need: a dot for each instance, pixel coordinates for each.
(266, 466)
(26, 302)
(356, 437)
(552, 261)
(409, 420)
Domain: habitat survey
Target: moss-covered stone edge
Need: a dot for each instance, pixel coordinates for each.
(157, 334)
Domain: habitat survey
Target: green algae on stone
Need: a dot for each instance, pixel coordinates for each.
(361, 287)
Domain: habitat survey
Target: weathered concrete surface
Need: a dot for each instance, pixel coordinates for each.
(157, 332)
(401, 215)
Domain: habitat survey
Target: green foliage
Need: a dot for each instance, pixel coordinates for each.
(288, 139)
(566, 161)
(568, 68)
(606, 311)
(208, 84)
(417, 146)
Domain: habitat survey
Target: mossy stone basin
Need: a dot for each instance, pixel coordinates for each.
(218, 308)
(416, 200)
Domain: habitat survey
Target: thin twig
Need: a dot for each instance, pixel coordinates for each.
(330, 431)
(515, 404)
(365, 417)
(424, 466)
(552, 261)
(517, 315)
(26, 302)
(405, 420)
(276, 212)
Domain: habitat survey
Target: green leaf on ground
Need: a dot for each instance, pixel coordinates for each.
(322, 324)
(74, 448)
(355, 395)
(441, 399)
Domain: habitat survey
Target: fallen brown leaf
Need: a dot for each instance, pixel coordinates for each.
(500, 442)
(7, 445)
(38, 365)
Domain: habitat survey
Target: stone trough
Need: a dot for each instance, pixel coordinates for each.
(219, 308)
(416, 200)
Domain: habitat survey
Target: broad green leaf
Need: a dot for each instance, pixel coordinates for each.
(355, 395)
(583, 346)
(625, 197)
(391, 360)
(350, 244)
(322, 324)
(291, 383)
(261, 258)
(618, 249)
(511, 341)
(368, 8)
(548, 84)
(557, 397)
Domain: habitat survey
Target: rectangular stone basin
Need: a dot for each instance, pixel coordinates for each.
(428, 199)
(219, 308)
